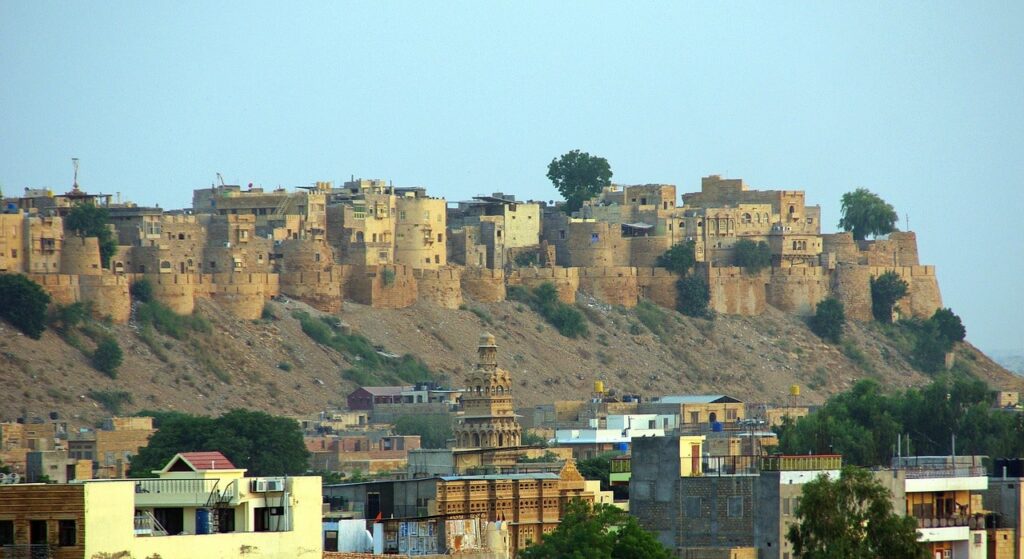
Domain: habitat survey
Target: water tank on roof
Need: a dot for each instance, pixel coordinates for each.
(202, 521)
(716, 426)
(622, 447)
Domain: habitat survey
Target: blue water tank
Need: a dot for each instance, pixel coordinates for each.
(202, 521)
(622, 447)
(716, 426)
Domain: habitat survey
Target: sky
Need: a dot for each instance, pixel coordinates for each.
(920, 102)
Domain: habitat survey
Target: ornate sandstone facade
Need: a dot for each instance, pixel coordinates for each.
(489, 419)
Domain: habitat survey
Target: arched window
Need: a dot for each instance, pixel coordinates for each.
(501, 439)
(746, 219)
(359, 236)
(476, 439)
(713, 417)
(165, 265)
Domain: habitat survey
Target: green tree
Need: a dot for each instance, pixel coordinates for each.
(852, 518)
(596, 532)
(533, 439)
(693, 296)
(752, 257)
(949, 325)
(886, 289)
(865, 213)
(828, 320)
(107, 357)
(579, 176)
(434, 429)
(23, 304)
(930, 347)
(142, 290)
(266, 445)
(679, 259)
(89, 220)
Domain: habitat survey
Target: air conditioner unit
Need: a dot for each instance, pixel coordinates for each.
(267, 485)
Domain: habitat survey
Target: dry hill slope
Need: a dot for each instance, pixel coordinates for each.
(244, 363)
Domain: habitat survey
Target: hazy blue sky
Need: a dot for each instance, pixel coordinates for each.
(922, 102)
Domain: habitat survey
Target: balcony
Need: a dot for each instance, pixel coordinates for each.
(729, 466)
(184, 492)
(802, 463)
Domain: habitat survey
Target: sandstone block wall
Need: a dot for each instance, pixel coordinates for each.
(565, 280)
(320, 290)
(798, 289)
(80, 256)
(241, 294)
(843, 245)
(657, 285)
(733, 291)
(612, 285)
(442, 287)
(483, 284)
(644, 251)
(851, 284)
(109, 296)
(176, 291)
(367, 286)
(923, 297)
(62, 288)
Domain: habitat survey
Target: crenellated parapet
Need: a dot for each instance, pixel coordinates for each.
(441, 287)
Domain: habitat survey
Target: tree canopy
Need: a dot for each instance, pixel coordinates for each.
(752, 257)
(434, 429)
(886, 289)
(579, 176)
(596, 532)
(23, 304)
(864, 422)
(828, 320)
(865, 213)
(90, 220)
(679, 259)
(266, 445)
(693, 296)
(852, 518)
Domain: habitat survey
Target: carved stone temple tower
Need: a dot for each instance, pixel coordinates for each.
(489, 419)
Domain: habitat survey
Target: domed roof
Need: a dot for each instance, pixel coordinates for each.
(488, 340)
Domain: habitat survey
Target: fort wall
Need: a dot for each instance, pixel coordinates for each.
(308, 273)
(612, 285)
(657, 285)
(483, 284)
(241, 294)
(108, 294)
(733, 291)
(798, 289)
(442, 287)
(923, 297)
(382, 287)
(565, 280)
(644, 251)
(851, 285)
(80, 256)
(63, 289)
(843, 245)
(176, 291)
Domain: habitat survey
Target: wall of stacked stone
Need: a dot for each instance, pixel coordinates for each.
(613, 285)
(797, 289)
(843, 245)
(176, 291)
(644, 251)
(483, 284)
(62, 288)
(733, 291)
(595, 244)
(367, 286)
(108, 294)
(80, 256)
(565, 280)
(906, 246)
(241, 294)
(657, 285)
(923, 296)
(851, 285)
(320, 290)
(442, 287)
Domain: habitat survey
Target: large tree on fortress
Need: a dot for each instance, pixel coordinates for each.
(579, 176)
(865, 213)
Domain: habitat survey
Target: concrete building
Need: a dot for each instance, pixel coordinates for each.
(496, 227)
(698, 411)
(200, 506)
(1005, 498)
(718, 505)
(613, 433)
(944, 494)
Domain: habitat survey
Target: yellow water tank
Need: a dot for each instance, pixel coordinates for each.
(599, 386)
(794, 390)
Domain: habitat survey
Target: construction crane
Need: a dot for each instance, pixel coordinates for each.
(220, 177)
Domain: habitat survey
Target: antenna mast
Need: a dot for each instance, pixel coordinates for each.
(74, 163)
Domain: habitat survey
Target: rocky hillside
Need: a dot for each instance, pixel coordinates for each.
(272, 365)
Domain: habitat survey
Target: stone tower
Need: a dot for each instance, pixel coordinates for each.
(489, 419)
